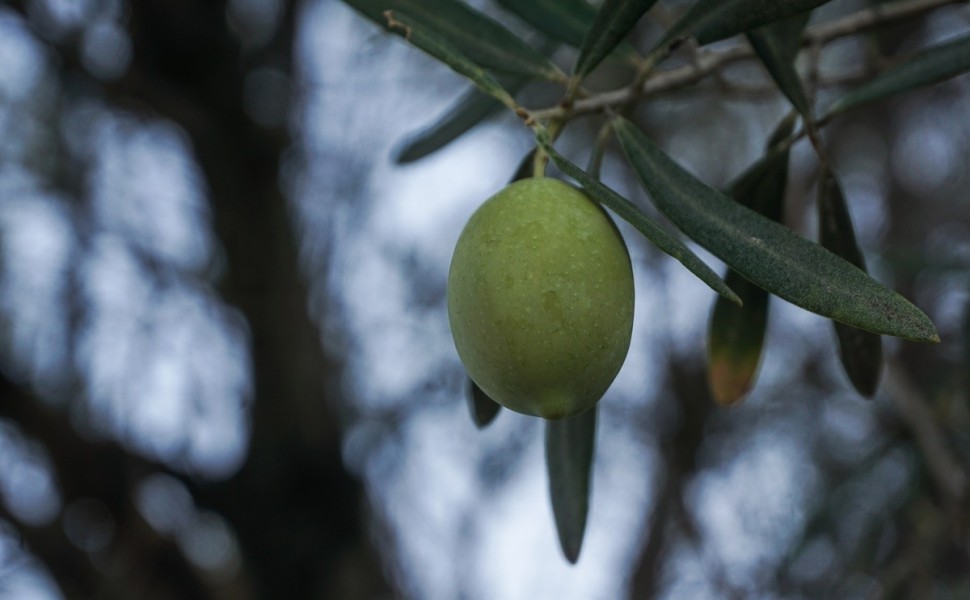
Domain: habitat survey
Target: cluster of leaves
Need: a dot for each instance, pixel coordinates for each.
(740, 225)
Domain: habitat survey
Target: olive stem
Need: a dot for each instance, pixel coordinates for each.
(552, 131)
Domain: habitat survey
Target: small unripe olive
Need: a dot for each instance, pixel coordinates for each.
(540, 299)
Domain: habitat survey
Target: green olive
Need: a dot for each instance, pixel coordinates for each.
(540, 299)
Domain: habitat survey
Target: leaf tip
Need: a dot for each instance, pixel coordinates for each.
(929, 334)
(483, 409)
(571, 549)
(729, 382)
(405, 155)
(861, 356)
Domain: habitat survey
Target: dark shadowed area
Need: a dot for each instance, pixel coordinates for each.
(226, 370)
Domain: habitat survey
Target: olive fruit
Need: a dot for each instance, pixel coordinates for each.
(540, 298)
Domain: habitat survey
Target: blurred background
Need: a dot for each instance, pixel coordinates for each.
(225, 365)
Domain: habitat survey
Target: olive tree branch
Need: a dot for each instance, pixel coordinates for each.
(768, 91)
(710, 62)
(944, 468)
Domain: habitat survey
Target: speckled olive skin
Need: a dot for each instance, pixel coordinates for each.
(540, 299)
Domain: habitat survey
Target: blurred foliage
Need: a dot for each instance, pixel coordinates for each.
(187, 429)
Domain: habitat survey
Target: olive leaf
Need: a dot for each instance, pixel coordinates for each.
(777, 45)
(570, 445)
(613, 22)
(712, 20)
(470, 110)
(736, 334)
(735, 339)
(931, 66)
(563, 20)
(467, 112)
(483, 409)
(480, 38)
(860, 351)
(416, 31)
(629, 212)
(767, 253)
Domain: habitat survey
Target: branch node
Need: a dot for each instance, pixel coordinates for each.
(393, 23)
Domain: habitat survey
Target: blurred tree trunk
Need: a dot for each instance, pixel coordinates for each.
(671, 521)
(298, 514)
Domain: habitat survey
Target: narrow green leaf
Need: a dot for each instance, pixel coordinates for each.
(767, 253)
(934, 65)
(860, 351)
(570, 445)
(418, 33)
(735, 338)
(613, 22)
(483, 40)
(736, 334)
(629, 212)
(777, 46)
(563, 20)
(467, 112)
(861, 355)
(712, 20)
(470, 110)
(483, 409)
(762, 186)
